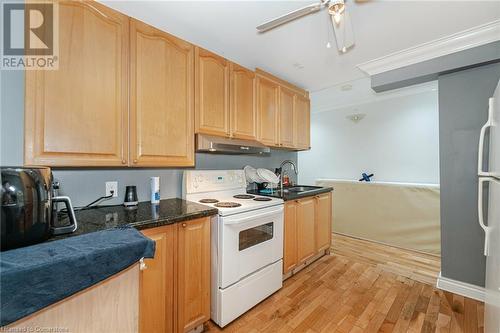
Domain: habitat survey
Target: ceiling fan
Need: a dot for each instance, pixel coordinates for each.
(340, 20)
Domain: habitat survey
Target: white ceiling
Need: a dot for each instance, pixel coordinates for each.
(380, 28)
(359, 92)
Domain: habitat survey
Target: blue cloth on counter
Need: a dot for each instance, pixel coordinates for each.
(34, 277)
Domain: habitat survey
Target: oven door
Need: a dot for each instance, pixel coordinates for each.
(248, 242)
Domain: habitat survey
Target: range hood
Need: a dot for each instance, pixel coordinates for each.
(214, 144)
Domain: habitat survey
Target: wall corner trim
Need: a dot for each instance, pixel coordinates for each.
(461, 288)
(463, 40)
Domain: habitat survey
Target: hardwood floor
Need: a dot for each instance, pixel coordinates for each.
(415, 265)
(341, 294)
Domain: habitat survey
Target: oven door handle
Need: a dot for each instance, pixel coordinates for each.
(252, 217)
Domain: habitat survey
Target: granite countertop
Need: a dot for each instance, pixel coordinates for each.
(290, 195)
(144, 216)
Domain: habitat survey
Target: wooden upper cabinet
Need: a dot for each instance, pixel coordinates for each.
(267, 108)
(161, 98)
(302, 122)
(290, 238)
(77, 115)
(286, 118)
(243, 105)
(323, 220)
(306, 244)
(211, 93)
(193, 274)
(156, 295)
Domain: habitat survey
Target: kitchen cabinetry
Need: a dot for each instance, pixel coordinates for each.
(161, 98)
(286, 118)
(268, 107)
(323, 221)
(156, 300)
(307, 231)
(127, 94)
(243, 113)
(306, 247)
(211, 93)
(175, 286)
(193, 266)
(302, 126)
(283, 120)
(77, 115)
(290, 238)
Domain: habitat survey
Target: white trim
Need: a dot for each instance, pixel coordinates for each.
(477, 36)
(461, 288)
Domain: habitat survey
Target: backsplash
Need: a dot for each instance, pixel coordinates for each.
(85, 185)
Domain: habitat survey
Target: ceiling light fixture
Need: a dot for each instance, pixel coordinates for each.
(336, 9)
(356, 118)
(338, 15)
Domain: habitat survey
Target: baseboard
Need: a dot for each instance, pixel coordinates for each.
(461, 288)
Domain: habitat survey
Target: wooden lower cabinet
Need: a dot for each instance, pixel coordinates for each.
(290, 239)
(157, 283)
(175, 286)
(307, 230)
(306, 247)
(193, 274)
(323, 221)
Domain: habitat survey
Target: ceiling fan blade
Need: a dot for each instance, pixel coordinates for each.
(344, 34)
(290, 17)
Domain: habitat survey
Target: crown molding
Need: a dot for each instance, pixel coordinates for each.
(361, 99)
(467, 39)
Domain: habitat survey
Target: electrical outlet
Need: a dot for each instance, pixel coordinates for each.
(112, 186)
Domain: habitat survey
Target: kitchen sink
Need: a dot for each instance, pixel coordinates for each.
(301, 189)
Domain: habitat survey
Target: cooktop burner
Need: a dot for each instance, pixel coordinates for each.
(262, 199)
(244, 196)
(227, 204)
(208, 200)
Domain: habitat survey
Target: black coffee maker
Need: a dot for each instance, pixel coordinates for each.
(29, 207)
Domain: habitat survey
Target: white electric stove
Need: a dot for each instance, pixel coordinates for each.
(247, 241)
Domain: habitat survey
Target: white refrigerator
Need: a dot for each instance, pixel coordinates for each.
(489, 189)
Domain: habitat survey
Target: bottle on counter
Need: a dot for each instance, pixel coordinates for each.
(155, 190)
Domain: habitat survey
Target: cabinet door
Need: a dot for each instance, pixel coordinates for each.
(323, 220)
(77, 115)
(267, 99)
(193, 274)
(290, 239)
(161, 105)
(156, 305)
(211, 93)
(302, 122)
(243, 109)
(306, 247)
(286, 118)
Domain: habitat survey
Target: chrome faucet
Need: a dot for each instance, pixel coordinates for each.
(294, 167)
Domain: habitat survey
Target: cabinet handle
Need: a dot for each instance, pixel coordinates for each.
(142, 264)
(184, 225)
(135, 161)
(123, 161)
